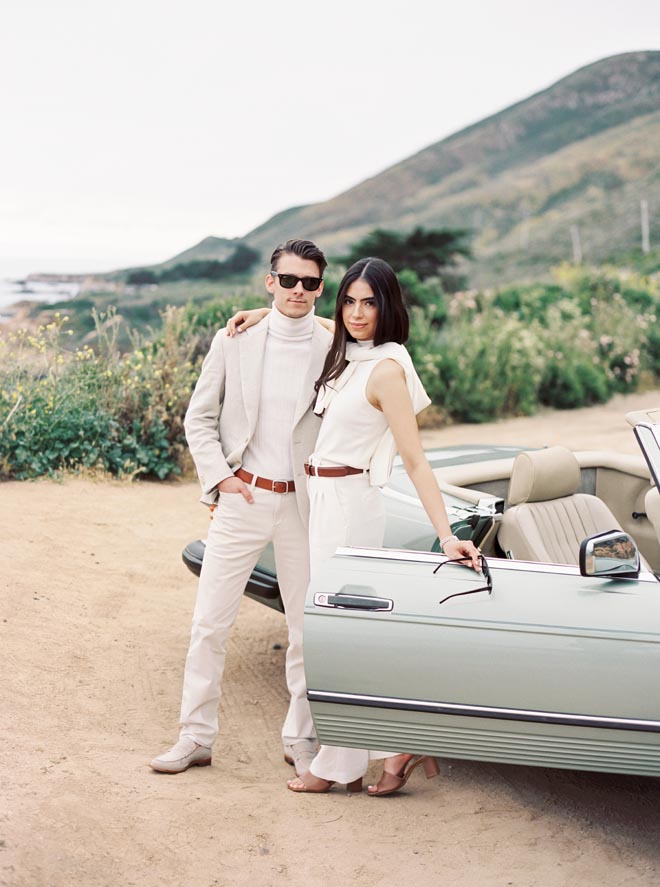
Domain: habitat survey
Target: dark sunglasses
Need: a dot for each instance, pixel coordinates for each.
(485, 572)
(288, 281)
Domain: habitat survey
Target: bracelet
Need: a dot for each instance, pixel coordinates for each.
(450, 538)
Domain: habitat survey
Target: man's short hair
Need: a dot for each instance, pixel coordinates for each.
(304, 249)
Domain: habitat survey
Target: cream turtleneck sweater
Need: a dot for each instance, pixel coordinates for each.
(286, 356)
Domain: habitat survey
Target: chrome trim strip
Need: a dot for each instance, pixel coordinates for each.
(426, 557)
(391, 554)
(485, 711)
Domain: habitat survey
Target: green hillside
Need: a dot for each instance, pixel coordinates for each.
(581, 153)
(209, 249)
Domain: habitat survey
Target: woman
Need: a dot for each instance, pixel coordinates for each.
(368, 394)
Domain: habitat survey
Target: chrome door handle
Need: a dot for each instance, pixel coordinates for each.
(353, 602)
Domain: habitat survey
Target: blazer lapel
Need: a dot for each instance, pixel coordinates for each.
(318, 354)
(252, 345)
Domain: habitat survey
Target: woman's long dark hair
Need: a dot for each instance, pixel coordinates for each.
(391, 323)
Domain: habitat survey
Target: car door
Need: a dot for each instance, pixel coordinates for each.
(552, 668)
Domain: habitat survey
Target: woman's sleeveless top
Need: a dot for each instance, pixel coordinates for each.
(351, 427)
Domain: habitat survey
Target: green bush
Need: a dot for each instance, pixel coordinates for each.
(424, 294)
(480, 367)
(567, 384)
(589, 286)
(565, 345)
(529, 302)
(653, 350)
(62, 410)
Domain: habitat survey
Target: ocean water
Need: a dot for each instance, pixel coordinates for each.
(12, 291)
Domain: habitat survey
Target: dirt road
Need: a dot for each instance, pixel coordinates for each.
(95, 610)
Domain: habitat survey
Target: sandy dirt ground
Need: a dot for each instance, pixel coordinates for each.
(95, 611)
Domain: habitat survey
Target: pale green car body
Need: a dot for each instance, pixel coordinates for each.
(552, 668)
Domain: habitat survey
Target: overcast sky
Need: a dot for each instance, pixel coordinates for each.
(132, 129)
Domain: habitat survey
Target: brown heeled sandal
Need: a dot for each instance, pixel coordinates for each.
(316, 785)
(391, 782)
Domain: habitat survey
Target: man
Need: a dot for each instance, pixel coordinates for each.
(250, 428)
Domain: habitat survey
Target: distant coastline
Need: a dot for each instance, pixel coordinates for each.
(36, 288)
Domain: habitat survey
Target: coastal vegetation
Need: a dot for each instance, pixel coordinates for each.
(575, 342)
(73, 404)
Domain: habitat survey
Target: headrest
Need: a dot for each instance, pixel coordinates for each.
(648, 416)
(539, 475)
(652, 507)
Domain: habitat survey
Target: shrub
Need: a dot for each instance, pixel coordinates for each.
(424, 294)
(653, 350)
(586, 285)
(62, 410)
(529, 302)
(567, 384)
(480, 368)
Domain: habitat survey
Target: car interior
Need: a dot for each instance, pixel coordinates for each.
(543, 503)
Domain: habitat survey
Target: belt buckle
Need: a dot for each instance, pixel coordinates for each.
(281, 483)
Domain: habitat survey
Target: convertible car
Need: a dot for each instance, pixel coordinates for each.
(548, 657)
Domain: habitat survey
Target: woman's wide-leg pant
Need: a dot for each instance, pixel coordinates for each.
(343, 511)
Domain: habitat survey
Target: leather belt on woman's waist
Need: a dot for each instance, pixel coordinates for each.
(338, 471)
(275, 486)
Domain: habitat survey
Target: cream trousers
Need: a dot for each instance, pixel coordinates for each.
(344, 511)
(238, 534)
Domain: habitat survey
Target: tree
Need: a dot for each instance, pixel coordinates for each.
(141, 276)
(431, 253)
(242, 259)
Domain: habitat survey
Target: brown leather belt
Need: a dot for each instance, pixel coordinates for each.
(339, 471)
(275, 486)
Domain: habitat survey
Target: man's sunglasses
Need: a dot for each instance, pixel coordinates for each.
(288, 281)
(485, 572)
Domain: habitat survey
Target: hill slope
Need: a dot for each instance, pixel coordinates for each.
(210, 248)
(582, 152)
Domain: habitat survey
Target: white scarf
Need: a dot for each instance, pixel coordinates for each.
(380, 466)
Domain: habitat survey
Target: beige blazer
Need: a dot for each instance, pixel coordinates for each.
(222, 413)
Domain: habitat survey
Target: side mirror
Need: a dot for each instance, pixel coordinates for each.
(613, 555)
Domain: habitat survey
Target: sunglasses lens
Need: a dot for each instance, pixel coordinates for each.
(288, 281)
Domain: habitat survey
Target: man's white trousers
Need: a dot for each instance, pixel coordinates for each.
(238, 534)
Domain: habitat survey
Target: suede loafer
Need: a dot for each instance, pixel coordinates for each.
(186, 753)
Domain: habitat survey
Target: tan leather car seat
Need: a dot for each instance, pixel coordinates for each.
(547, 518)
